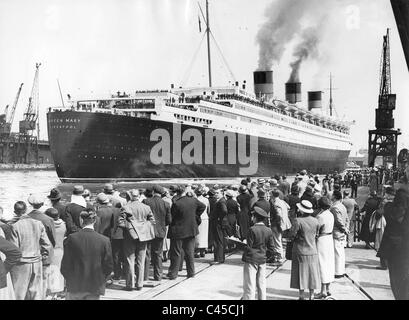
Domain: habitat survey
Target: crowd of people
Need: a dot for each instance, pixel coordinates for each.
(74, 250)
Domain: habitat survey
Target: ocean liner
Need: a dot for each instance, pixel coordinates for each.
(202, 132)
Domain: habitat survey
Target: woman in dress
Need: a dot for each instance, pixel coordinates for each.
(304, 264)
(202, 241)
(56, 279)
(325, 247)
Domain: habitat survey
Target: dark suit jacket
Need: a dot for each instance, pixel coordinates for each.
(220, 211)
(13, 255)
(61, 210)
(161, 212)
(72, 213)
(87, 261)
(185, 212)
(232, 210)
(106, 214)
(259, 244)
(117, 232)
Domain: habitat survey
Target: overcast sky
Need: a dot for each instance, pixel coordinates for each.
(102, 46)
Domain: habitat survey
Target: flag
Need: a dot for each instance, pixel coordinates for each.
(200, 24)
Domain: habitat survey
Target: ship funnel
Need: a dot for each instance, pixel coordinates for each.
(314, 100)
(263, 84)
(293, 92)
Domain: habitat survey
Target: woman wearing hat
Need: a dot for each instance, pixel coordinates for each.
(202, 240)
(305, 264)
(325, 246)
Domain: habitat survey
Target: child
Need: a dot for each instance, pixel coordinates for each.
(259, 241)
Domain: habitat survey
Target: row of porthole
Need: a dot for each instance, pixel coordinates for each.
(101, 157)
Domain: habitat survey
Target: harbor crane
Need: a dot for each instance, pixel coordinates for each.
(384, 139)
(29, 130)
(6, 120)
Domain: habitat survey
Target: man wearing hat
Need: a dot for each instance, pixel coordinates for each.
(292, 199)
(55, 199)
(244, 217)
(262, 202)
(161, 212)
(218, 215)
(142, 219)
(186, 212)
(87, 261)
(351, 205)
(275, 186)
(261, 182)
(113, 196)
(259, 243)
(30, 237)
(341, 223)
(280, 223)
(232, 214)
(37, 202)
(105, 214)
(74, 209)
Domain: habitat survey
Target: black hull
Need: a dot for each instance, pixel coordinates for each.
(97, 147)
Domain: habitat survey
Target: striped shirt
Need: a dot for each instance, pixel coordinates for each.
(30, 237)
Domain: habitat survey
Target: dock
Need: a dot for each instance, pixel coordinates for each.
(224, 281)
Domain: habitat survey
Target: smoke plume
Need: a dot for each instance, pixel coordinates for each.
(307, 48)
(285, 20)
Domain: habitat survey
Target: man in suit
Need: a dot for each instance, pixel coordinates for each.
(261, 202)
(105, 214)
(117, 243)
(74, 209)
(30, 237)
(87, 261)
(232, 214)
(37, 202)
(141, 218)
(218, 218)
(161, 212)
(186, 212)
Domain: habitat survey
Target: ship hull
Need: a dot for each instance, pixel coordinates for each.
(96, 147)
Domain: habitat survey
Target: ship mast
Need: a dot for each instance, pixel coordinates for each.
(330, 95)
(208, 43)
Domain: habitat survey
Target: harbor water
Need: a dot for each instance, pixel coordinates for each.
(19, 184)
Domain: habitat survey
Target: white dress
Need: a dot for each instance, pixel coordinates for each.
(202, 241)
(325, 247)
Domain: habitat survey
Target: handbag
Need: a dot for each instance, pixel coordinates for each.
(289, 250)
(125, 223)
(131, 230)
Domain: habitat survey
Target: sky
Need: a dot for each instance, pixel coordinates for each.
(97, 47)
